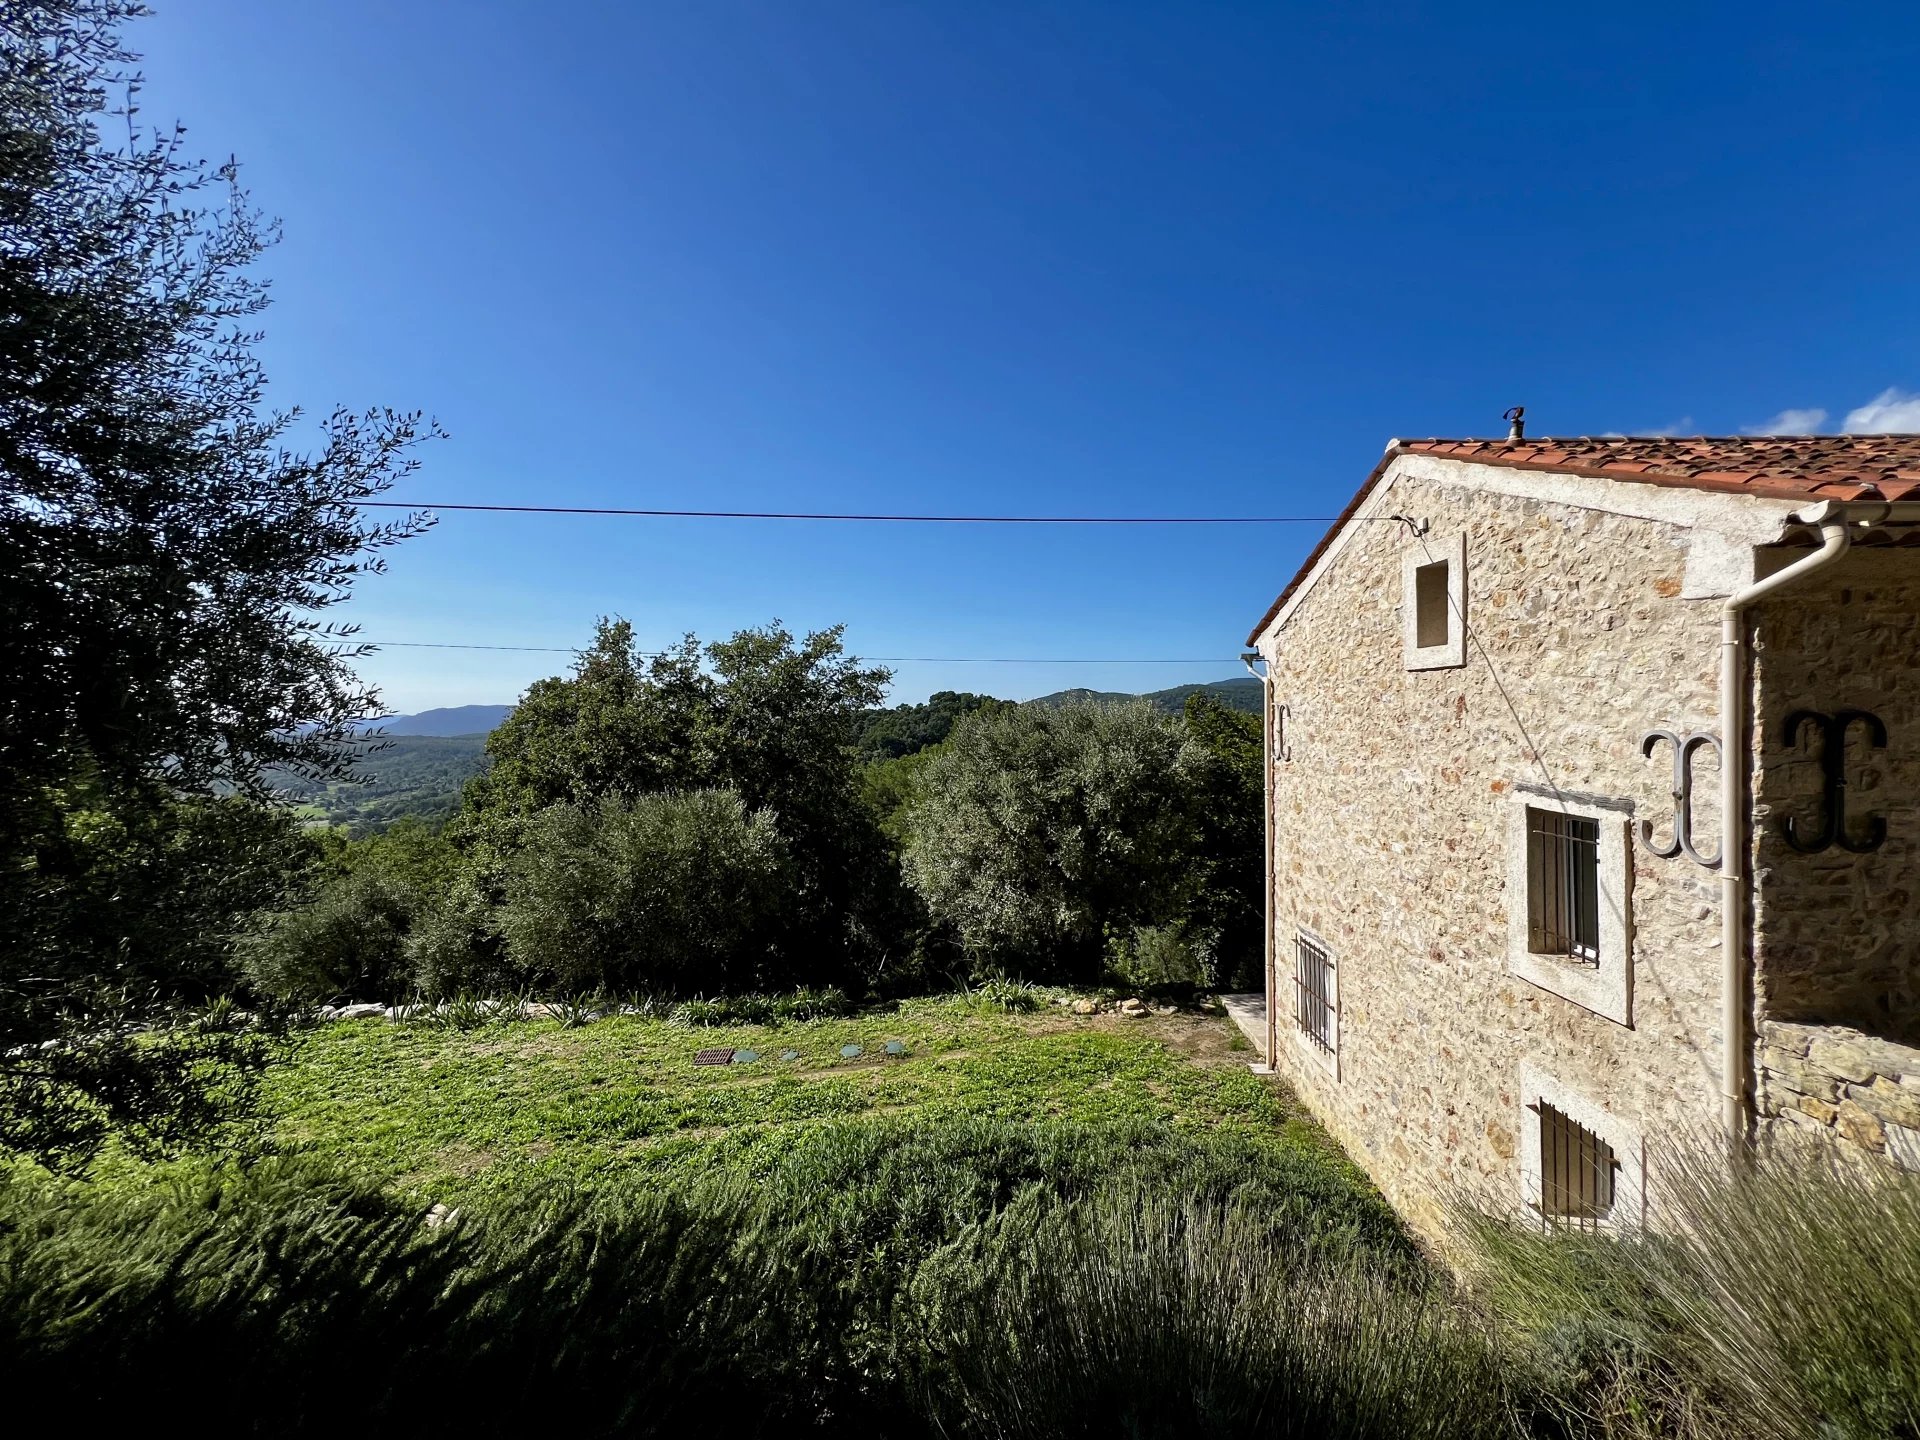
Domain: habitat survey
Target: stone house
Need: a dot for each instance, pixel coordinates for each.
(1512, 937)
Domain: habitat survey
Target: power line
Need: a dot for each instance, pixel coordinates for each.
(901, 519)
(886, 659)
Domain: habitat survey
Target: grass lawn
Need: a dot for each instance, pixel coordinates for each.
(452, 1114)
(1092, 1224)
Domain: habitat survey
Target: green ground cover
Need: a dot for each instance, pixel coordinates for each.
(1026, 1225)
(456, 1115)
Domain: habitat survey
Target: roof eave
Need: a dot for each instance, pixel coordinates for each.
(1340, 523)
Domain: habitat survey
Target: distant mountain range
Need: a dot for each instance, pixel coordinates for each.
(457, 720)
(1241, 693)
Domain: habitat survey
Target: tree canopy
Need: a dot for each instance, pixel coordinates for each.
(167, 559)
(764, 715)
(909, 729)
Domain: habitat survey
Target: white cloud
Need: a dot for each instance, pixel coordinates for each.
(1793, 422)
(1892, 412)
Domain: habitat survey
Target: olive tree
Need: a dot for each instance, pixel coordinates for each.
(681, 892)
(167, 559)
(1042, 834)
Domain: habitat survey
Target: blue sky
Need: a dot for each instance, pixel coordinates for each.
(1038, 258)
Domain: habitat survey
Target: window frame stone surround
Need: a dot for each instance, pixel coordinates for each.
(1451, 551)
(1607, 987)
(1537, 1085)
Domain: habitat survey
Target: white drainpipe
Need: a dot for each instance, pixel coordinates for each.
(1266, 811)
(1735, 762)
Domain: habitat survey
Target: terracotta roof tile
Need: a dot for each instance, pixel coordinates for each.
(1771, 467)
(1811, 467)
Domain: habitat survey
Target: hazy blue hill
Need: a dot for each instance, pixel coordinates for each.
(459, 720)
(1241, 693)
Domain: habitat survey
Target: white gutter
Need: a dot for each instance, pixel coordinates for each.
(1266, 814)
(1736, 762)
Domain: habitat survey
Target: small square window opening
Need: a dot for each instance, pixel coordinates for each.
(1577, 1172)
(1433, 603)
(1430, 605)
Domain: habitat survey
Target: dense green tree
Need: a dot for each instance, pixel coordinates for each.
(351, 937)
(677, 892)
(624, 723)
(165, 564)
(1226, 914)
(1040, 832)
(349, 942)
(763, 714)
(890, 788)
(908, 729)
(1064, 840)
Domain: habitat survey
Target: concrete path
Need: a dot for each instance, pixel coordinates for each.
(1249, 1012)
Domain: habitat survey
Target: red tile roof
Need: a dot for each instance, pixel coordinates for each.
(1780, 467)
(1773, 467)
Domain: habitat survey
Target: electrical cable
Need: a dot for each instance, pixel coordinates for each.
(899, 519)
(885, 659)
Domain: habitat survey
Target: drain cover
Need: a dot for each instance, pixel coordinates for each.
(714, 1057)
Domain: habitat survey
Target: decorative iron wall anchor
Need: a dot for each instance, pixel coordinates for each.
(1282, 751)
(1683, 748)
(1833, 765)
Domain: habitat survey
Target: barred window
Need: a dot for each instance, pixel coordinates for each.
(1577, 1171)
(1563, 885)
(1316, 1010)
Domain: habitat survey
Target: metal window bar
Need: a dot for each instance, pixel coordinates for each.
(1314, 1011)
(1577, 1170)
(1563, 886)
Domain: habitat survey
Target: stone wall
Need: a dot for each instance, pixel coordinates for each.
(1858, 1090)
(1836, 935)
(1391, 831)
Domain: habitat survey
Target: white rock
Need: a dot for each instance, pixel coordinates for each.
(360, 1012)
(1903, 1145)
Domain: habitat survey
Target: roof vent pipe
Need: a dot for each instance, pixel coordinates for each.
(1516, 419)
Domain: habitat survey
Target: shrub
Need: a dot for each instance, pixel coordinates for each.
(1776, 1299)
(890, 1277)
(312, 1305)
(454, 948)
(356, 939)
(800, 1006)
(1155, 957)
(1148, 1314)
(350, 942)
(675, 892)
(1013, 997)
